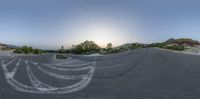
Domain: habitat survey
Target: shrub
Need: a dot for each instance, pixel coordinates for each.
(86, 47)
(27, 50)
(135, 46)
(18, 50)
(37, 51)
(176, 47)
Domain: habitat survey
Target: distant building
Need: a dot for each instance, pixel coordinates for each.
(186, 45)
(173, 44)
(2, 46)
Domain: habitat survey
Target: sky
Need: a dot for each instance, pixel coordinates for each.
(49, 24)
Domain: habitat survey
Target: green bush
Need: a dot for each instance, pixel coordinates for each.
(86, 47)
(176, 47)
(135, 46)
(37, 51)
(25, 49)
(160, 45)
(28, 50)
(18, 50)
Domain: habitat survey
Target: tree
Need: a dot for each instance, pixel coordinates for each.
(25, 49)
(135, 46)
(86, 47)
(30, 49)
(37, 51)
(109, 46)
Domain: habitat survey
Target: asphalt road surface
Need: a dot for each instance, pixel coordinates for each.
(139, 74)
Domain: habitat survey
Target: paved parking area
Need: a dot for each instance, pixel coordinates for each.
(139, 74)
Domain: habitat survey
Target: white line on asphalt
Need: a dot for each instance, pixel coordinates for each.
(34, 81)
(40, 87)
(58, 75)
(13, 72)
(76, 65)
(13, 59)
(68, 69)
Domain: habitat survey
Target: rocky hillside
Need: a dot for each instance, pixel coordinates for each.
(2, 45)
(7, 47)
(182, 41)
(128, 45)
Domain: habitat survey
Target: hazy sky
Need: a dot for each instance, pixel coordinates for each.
(51, 23)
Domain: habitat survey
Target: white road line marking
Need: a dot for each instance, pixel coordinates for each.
(19, 61)
(76, 65)
(68, 69)
(34, 81)
(10, 61)
(3, 57)
(6, 58)
(40, 87)
(12, 82)
(58, 75)
(13, 72)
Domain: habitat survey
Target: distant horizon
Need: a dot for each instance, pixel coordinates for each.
(49, 24)
(70, 46)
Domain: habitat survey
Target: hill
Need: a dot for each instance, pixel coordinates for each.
(129, 46)
(2, 45)
(7, 47)
(170, 41)
(182, 41)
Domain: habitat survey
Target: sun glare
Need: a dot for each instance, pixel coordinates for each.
(102, 34)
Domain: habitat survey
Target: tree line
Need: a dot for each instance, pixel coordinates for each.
(88, 47)
(28, 50)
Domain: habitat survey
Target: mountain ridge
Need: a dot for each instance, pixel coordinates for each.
(181, 41)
